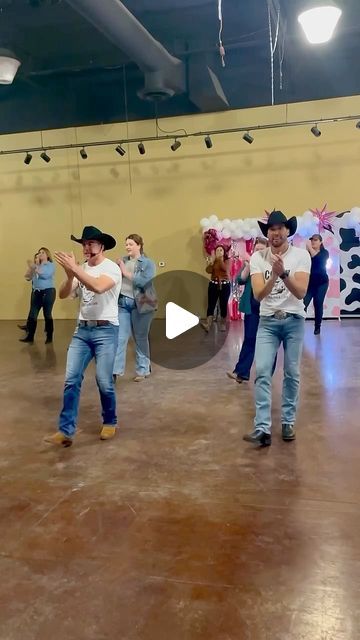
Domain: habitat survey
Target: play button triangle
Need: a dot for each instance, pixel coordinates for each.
(178, 320)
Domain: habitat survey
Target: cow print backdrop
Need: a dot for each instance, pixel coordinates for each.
(349, 272)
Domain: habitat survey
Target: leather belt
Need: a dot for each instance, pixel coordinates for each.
(282, 315)
(94, 323)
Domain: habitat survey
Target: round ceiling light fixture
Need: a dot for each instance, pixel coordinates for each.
(9, 65)
(319, 20)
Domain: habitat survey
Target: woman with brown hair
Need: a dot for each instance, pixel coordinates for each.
(43, 297)
(219, 287)
(137, 305)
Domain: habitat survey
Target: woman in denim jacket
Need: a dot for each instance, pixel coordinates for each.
(137, 305)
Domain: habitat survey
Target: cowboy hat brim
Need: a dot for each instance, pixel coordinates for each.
(108, 241)
(290, 224)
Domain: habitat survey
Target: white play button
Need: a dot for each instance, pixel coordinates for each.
(178, 320)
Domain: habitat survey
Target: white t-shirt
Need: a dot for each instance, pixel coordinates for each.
(280, 298)
(99, 306)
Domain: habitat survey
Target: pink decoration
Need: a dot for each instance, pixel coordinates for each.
(211, 240)
(324, 217)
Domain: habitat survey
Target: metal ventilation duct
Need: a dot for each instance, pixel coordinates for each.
(164, 74)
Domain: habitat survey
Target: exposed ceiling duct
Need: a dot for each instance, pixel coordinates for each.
(163, 73)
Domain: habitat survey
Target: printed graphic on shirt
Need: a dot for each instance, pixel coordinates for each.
(278, 289)
(88, 297)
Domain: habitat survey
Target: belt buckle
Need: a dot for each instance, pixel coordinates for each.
(91, 323)
(280, 314)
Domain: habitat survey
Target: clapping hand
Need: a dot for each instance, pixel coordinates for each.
(67, 261)
(278, 265)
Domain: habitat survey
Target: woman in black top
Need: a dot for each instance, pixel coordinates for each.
(319, 279)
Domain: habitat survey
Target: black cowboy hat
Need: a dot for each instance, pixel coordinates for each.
(92, 233)
(277, 217)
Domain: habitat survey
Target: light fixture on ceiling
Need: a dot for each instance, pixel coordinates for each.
(83, 153)
(315, 131)
(319, 20)
(358, 124)
(44, 156)
(141, 148)
(208, 142)
(28, 158)
(9, 65)
(120, 150)
(248, 138)
(175, 145)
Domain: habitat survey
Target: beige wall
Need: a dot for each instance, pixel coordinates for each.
(163, 195)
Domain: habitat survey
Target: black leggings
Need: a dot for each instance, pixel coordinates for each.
(215, 293)
(41, 299)
(316, 292)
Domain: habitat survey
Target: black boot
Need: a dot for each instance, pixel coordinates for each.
(31, 328)
(49, 330)
(27, 339)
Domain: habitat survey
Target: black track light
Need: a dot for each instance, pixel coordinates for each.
(248, 138)
(83, 154)
(315, 131)
(175, 145)
(141, 148)
(208, 142)
(28, 158)
(358, 124)
(44, 156)
(120, 150)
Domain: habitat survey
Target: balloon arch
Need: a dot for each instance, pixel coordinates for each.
(238, 236)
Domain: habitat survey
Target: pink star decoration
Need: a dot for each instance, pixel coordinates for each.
(324, 217)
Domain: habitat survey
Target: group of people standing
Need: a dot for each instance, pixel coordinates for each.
(279, 283)
(117, 300)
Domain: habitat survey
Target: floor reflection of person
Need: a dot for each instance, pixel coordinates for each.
(319, 279)
(219, 287)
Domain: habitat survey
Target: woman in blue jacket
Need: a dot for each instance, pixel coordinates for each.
(43, 296)
(137, 305)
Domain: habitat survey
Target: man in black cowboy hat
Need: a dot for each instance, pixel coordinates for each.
(97, 283)
(279, 278)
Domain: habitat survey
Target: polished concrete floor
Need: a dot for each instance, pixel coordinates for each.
(177, 529)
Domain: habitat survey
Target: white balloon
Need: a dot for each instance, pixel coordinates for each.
(226, 233)
(226, 222)
(355, 215)
(213, 220)
(308, 215)
(346, 221)
(204, 222)
(218, 226)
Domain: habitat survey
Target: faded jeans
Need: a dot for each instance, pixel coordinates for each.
(271, 333)
(88, 343)
(131, 322)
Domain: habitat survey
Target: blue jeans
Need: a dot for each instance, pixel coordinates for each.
(88, 343)
(246, 357)
(271, 333)
(131, 322)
